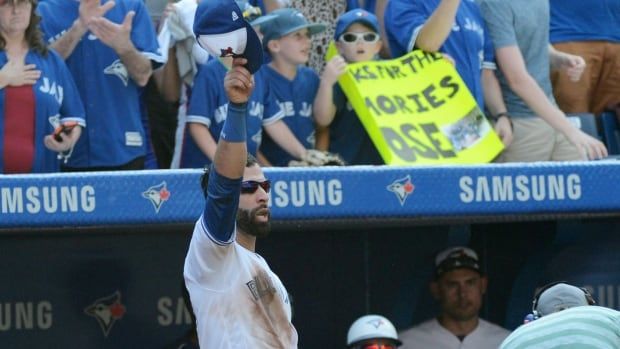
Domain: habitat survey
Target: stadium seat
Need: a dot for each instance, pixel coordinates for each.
(585, 122)
(611, 132)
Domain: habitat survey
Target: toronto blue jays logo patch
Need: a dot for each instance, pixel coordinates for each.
(107, 310)
(402, 188)
(157, 195)
(118, 68)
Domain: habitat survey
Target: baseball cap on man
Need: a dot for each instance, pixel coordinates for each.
(220, 29)
(286, 21)
(355, 16)
(456, 258)
(559, 297)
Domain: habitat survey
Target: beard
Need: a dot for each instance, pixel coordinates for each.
(247, 222)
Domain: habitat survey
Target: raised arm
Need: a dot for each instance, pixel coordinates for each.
(438, 26)
(323, 106)
(231, 151)
(118, 37)
(89, 9)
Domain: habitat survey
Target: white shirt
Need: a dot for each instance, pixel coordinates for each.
(431, 334)
(238, 301)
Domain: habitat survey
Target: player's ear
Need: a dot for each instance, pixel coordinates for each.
(483, 284)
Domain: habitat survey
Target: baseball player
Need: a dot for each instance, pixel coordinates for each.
(238, 301)
(110, 48)
(458, 287)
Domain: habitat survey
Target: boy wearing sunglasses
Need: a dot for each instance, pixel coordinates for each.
(357, 40)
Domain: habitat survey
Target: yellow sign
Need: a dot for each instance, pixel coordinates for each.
(417, 110)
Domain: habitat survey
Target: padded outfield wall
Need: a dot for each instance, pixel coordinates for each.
(95, 260)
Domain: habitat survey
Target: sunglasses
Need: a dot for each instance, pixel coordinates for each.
(351, 38)
(378, 346)
(250, 187)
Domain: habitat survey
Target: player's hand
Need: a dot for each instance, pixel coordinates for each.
(333, 69)
(90, 9)
(117, 36)
(503, 128)
(68, 140)
(573, 66)
(589, 147)
(238, 82)
(16, 73)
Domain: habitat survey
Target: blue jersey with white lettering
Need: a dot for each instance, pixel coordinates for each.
(115, 134)
(468, 42)
(57, 100)
(209, 106)
(295, 98)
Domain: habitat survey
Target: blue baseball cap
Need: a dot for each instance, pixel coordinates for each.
(285, 21)
(355, 16)
(220, 29)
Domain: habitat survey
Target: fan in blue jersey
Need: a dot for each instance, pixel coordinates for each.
(207, 112)
(111, 49)
(37, 95)
(455, 28)
(208, 108)
(287, 39)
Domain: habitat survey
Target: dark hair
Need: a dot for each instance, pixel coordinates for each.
(204, 179)
(33, 35)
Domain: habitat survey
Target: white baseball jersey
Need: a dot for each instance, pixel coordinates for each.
(431, 334)
(238, 301)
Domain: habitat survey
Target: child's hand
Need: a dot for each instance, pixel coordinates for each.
(333, 69)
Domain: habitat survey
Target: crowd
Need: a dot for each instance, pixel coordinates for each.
(234, 312)
(124, 85)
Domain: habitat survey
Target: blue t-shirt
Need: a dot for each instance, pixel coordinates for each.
(209, 106)
(468, 43)
(581, 20)
(115, 134)
(57, 100)
(295, 99)
(347, 135)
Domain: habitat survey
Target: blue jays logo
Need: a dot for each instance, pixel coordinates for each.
(402, 188)
(157, 195)
(118, 68)
(54, 120)
(227, 52)
(107, 310)
(376, 323)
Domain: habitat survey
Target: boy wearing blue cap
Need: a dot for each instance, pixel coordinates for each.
(287, 38)
(357, 40)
